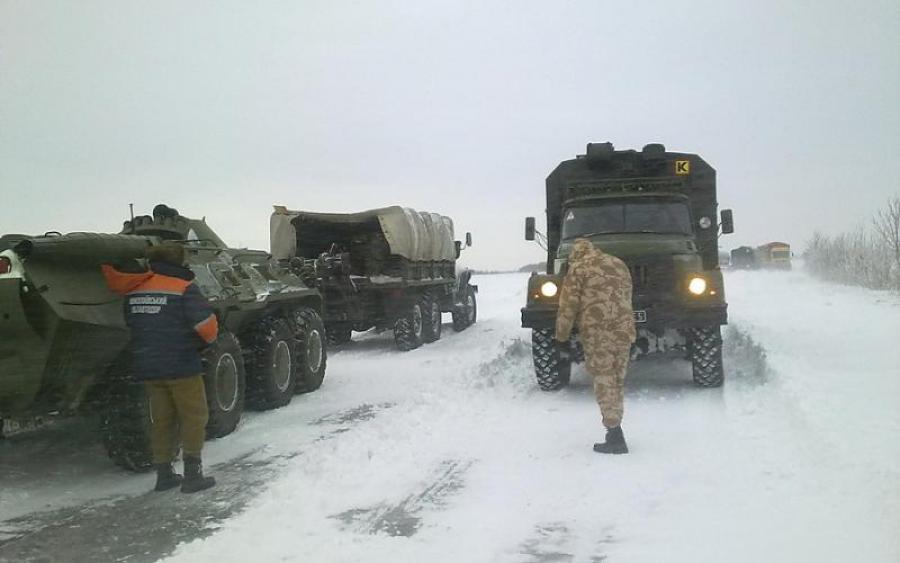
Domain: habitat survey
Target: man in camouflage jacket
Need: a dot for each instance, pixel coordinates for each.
(596, 297)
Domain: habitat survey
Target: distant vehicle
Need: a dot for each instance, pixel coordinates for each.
(656, 210)
(774, 255)
(63, 341)
(392, 269)
(743, 258)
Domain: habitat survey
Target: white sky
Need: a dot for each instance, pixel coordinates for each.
(225, 108)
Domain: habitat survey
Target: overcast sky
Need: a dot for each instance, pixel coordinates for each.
(225, 108)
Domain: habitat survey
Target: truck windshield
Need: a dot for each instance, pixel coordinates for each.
(652, 216)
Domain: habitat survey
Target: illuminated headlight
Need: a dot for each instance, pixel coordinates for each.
(549, 289)
(705, 222)
(697, 286)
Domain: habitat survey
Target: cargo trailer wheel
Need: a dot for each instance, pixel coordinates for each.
(408, 329)
(225, 379)
(432, 320)
(125, 418)
(465, 315)
(272, 363)
(310, 332)
(552, 372)
(706, 356)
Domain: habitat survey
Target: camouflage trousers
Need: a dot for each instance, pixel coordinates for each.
(177, 410)
(607, 362)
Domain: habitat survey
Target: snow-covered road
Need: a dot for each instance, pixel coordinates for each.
(450, 453)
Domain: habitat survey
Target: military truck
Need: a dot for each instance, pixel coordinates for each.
(390, 268)
(743, 258)
(773, 255)
(63, 342)
(656, 210)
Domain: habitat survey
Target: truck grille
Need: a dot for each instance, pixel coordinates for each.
(652, 276)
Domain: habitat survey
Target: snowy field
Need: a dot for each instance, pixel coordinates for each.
(450, 453)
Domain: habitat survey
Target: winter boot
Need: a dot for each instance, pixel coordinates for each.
(193, 476)
(166, 478)
(614, 444)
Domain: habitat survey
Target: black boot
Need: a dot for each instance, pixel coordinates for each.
(614, 444)
(193, 476)
(166, 478)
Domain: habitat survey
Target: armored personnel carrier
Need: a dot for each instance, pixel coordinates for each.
(656, 210)
(389, 268)
(63, 342)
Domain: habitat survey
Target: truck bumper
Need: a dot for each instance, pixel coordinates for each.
(659, 316)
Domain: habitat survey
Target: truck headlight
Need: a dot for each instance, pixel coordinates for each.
(705, 222)
(549, 289)
(697, 286)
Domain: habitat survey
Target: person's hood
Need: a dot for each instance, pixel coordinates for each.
(582, 250)
(171, 270)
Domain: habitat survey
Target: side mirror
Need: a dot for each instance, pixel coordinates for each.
(727, 222)
(529, 228)
(458, 248)
(468, 239)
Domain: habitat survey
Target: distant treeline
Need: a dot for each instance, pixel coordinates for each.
(868, 256)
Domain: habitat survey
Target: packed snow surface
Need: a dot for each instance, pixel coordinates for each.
(451, 453)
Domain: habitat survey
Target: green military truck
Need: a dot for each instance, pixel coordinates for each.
(657, 211)
(392, 268)
(63, 342)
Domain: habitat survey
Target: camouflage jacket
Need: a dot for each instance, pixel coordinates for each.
(595, 295)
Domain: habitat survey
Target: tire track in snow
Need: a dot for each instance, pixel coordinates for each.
(149, 526)
(406, 517)
(555, 542)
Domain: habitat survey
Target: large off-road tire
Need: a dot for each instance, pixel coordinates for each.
(225, 380)
(125, 418)
(310, 334)
(272, 362)
(706, 356)
(466, 314)
(408, 329)
(432, 319)
(551, 370)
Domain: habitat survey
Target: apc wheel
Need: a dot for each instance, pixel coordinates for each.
(432, 319)
(225, 381)
(125, 418)
(706, 356)
(465, 315)
(551, 371)
(272, 365)
(408, 329)
(310, 333)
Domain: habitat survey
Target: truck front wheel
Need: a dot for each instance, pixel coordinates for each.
(706, 356)
(552, 371)
(466, 314)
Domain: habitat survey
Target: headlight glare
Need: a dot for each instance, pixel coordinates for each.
(697, 286)
(549, 289)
